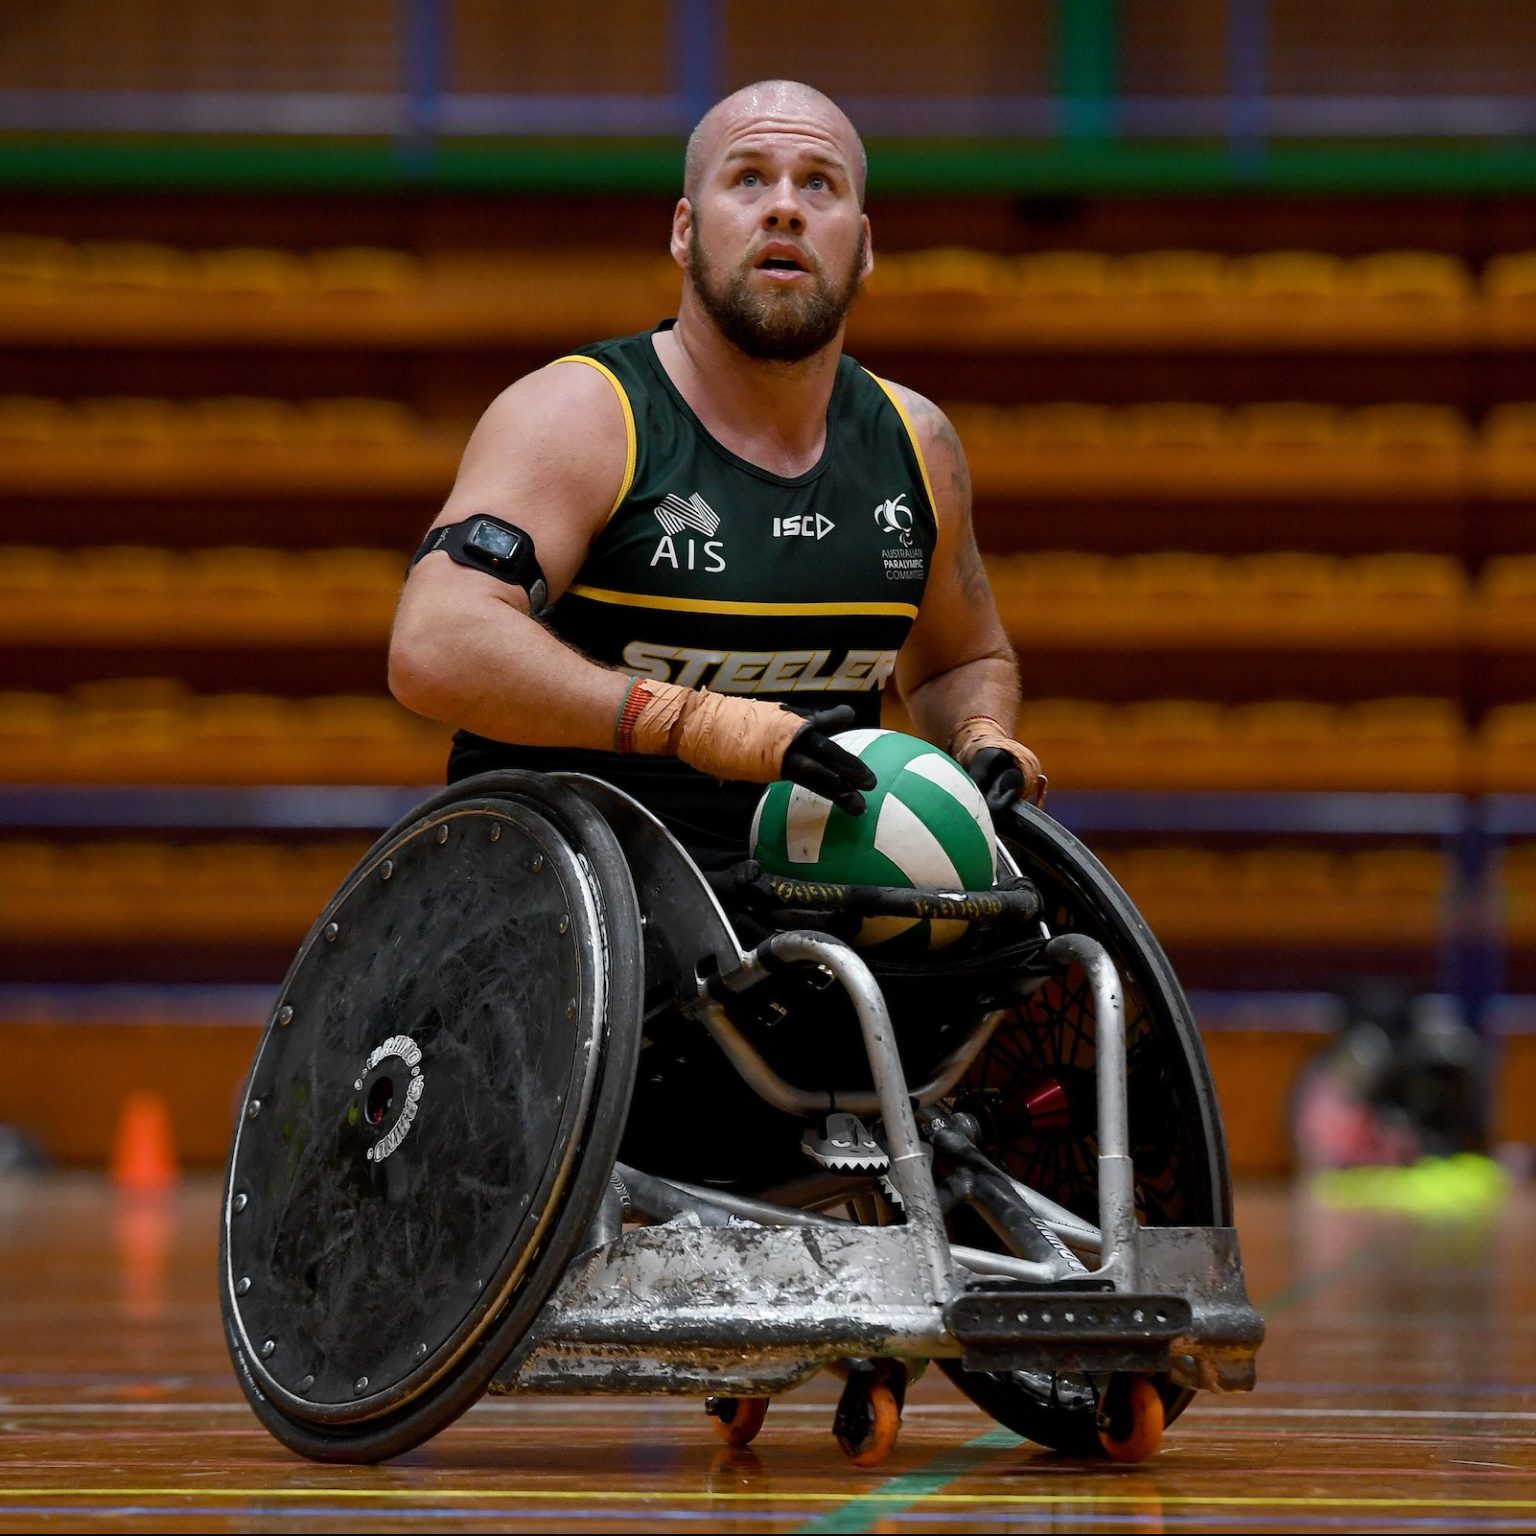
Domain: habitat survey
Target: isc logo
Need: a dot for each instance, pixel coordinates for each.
(803, 527)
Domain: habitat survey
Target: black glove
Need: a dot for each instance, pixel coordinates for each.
(998, 777)
(815, 761)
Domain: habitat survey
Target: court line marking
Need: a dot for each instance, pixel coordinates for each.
(915, 1486)
(911, 1488)
(818, 1410)
(923, 1486)
(1091, 1520)
(409, 1519)
(883, 1497)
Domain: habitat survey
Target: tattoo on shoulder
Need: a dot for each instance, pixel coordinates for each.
(968, 562)
(932, 424)
(973, 574)
(959, 471)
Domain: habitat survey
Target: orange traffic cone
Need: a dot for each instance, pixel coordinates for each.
(145, 1227)
(143, 1154)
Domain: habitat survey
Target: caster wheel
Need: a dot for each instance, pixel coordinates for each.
(737, 1419)
(867, 1422)
(1130, 1418)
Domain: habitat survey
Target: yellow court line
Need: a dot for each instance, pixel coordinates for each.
(652, 1495)
(714, 605)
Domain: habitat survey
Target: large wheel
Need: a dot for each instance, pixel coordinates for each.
(1033, 1092)
(432, 1117)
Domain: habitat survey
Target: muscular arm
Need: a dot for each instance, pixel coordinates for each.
(549, 456)
(958, 660)
(957, 671)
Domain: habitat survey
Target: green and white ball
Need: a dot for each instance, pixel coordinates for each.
(925, 824)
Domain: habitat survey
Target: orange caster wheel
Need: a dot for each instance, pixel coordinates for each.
(867, 1422)
(737, 1419)
(1130, 1418)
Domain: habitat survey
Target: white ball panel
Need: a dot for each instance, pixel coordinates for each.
(901, 836)
(857, 741)
(949, 775)
(805, 825)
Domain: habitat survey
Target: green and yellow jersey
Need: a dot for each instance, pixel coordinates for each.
(711, 572)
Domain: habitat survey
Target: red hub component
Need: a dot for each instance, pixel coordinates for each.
(1046, 1108)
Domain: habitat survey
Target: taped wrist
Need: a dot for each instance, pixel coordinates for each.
(981, 733)
(719, 734)
(975, 734)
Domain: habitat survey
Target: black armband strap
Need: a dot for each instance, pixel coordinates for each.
(499, 549)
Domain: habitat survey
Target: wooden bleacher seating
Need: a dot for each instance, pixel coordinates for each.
(245, 889)
(1282, 897)
(157, 731)
(1284, 298)
(140, 890)
(1517, 890)
(1505, 760)
(246, 597)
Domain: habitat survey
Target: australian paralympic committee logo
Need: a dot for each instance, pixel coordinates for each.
(679, 518)
(895, 517)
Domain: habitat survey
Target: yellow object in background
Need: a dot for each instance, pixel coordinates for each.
(1462, 1186)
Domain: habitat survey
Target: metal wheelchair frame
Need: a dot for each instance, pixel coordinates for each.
(703, 1290)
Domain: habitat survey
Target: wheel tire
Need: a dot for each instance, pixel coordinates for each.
(1131, 1418)
(1178, 1146)
(738, 1419)
(572, 1196)
(868, 1421)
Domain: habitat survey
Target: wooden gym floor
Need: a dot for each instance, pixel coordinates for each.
(1397, 1393)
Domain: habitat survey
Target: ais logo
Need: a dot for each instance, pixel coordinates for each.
(686, 518)
(802, 527)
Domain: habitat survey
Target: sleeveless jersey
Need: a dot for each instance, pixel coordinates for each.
(711, 572)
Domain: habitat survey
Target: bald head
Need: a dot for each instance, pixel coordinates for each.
(770, 104)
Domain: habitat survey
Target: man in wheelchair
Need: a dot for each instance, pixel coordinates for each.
(676, 567)
(740, 535)
(679, 560)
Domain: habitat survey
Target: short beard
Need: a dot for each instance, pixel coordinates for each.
(788, 329)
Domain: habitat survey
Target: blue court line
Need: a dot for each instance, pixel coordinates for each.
(1365, 1388)
(1160, 1520)
(966, 1520)
(513, 1518)
(859, 1514)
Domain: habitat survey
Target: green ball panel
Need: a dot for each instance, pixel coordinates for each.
(953, 826)
(772, 841)
(848, 852)
(887, 755)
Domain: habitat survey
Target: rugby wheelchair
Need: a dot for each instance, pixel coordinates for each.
(542, 1108)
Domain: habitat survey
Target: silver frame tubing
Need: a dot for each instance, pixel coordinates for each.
(911, 1170)
(1117, 1175)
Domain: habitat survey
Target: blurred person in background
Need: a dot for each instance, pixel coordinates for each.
(1393, 1111)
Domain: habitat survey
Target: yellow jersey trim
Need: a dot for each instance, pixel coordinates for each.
(752, 610)
(629, 425)
(917, 447)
